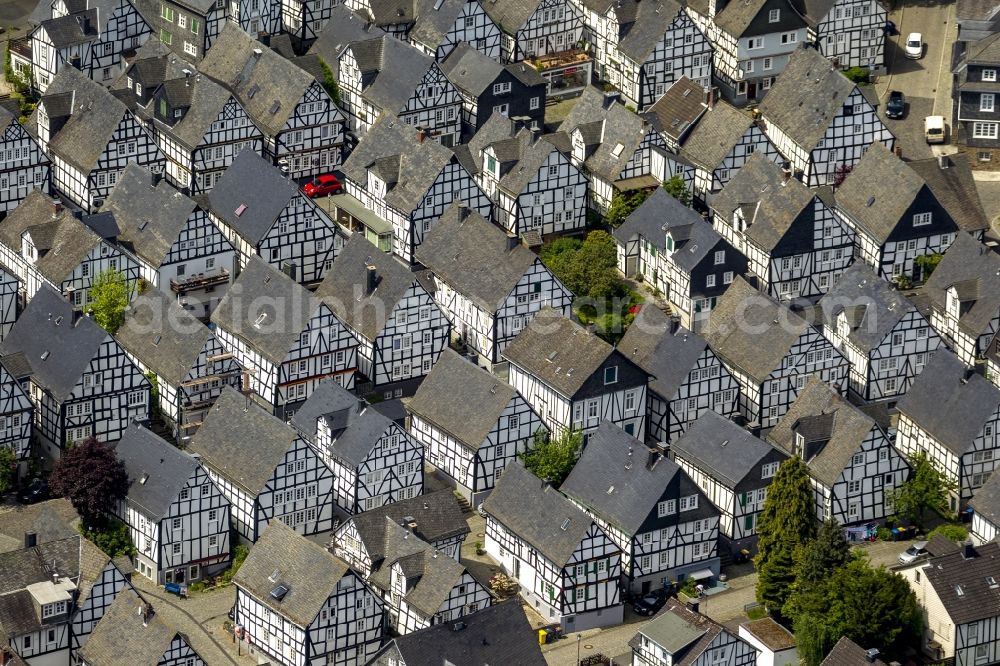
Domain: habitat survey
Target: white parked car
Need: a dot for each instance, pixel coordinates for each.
(913, 553)
(914, 45)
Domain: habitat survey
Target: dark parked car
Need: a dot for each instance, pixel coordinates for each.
(36, 491)
(322, 185)
(896, 106)
(650, 603)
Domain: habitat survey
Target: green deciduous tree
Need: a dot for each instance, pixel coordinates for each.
(93, 478)
(676, 188)
(622, 205)
(587, 268)
(927, 263)
(110, 294)
(552, 457)
(786, 523)
(330, 82)
(113, 538)
(927, 488)
(8, 468)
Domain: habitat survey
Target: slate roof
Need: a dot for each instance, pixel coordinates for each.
(667, 357)
(844, 424)
(848, 653)
(645, 24)
(752, 332)
(433, 21)
(51, 520)
(308, 571)
(204, 99)
(558, 351)
(881, 305)
(721, 448)
(985, 51)
(160, 211)
(979, 600)
(605, 123)
(536, 512)
(471, 256)
(63, 242)
(986, 500)
(510, 15)
(774, 210)
(354, 425)
(716, 134)
(967, 263)
(678, 108)
(285, 305)
(254, 185)
(662, 214)
(121, 636)
(497, 634)
(949, 402)
(165, 468)
(955, 190)
(327, 398)
(234, 425)
(416, 165)
(810, 94)
(878, 191)
(86, 134)
(469, 70)
(683, 633)
(266, 84)
(453, 376)
(45, 328)
(344, 287)
(391, 70)
(613, 479)
(736, 17)
(392, 12)
(343, 28)
(438, 516)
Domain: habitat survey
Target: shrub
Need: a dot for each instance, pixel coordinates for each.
(950, 531)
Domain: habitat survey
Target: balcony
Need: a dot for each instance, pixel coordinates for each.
(199, 281)
(567, 72)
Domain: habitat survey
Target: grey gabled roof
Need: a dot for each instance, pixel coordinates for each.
(605, 123)
(308, 571)
(535, 511)
(736, 17)
(391, 70)
(844, 424)
(645, 24)
(614, 481)
(722, 449)
(752, 332)
(51, 520)
(157, 470)
(558, 351)
(418, 164)
(848, 653)
(343, 28)
(878, 191)
(678, 108)
(510, 15)
(327, 398)
(434, 18)
(205, 100)
(72, 29)
(469, 70)
(285, 305)
(45, 328)
(122, 636)
(163, 336)
(667, 356)
(233, 426)
(344, 288)
(878, 305)
(751, 183)
(716, 134)
(452, 376)
(955, 189)
(661, 214)
(149, 217)
(809, 93)
(949, 402)
(532, 152)
(354, 425)
(962, 586)
(968, 263)
(437, 515)
(685, 634)
(255, 188)
(472, 257)
(986, 500)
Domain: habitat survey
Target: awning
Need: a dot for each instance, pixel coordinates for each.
(701, 574)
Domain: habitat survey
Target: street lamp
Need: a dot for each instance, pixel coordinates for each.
(578, 639)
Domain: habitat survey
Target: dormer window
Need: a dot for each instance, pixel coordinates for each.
(922, 219)
(800, 444)
(53, 609)
(989, 75)
(177, 113)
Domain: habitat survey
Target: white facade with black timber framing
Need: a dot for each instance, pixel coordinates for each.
(305, 19)
(16, 414)
(11, 289)
(681, 635)
(459, 21)
(664, 525)
(257, 18)
(23, 165)
(851, 32)
(536, 28)
(567, 566)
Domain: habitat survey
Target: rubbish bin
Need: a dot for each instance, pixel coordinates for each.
(542, 635)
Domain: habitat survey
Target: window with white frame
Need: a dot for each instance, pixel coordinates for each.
(709, 281)
(689, 503)
(768, 470)
(666, 508)
(774, 16)
(989, 75)
(986, 101)
(984, 130)
(922, 219)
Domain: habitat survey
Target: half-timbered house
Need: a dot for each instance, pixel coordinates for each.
(642, 48)
(574, 379)
(373, 459)
(952, 415)
(23, 165)
(732, 468)
(189, 363)
(794, 243)
(985, 504)
(90, 136)
(264, 214)
(886, 339)
(179, 249)
(963, 300)
(902, 210)
(298, 604)
(568, 567)
(677, 252)
(678, 110)
(16, 413)
(471, 448)
(718, 147)
(401, 330)
(976, 123)
(649, 507)
(851, 33)
(488, 88)
(11, 293)
(284, 480)
(681, 635)
(300, 122)
(284, 338)
(536, 28)
(440, 27)
(819, 119)
(187, 27)
(132, 632)
(435, 518)
(686, 378)
(771, 351)
(81, 382)
(303, 20)
(407, 182)
(176, 515)
(92, 36)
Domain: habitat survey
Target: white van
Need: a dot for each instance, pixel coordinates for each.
(934, 129)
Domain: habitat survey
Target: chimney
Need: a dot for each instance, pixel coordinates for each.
(30, 539)
(77, 315)
(371, 279)
(421, 135)
(943, 161)
(968, 551)
(654, 457)
(871, 655)
(155, 178)
(786, 175)
(512, 242)
(692, 606)
(6, 656)
(710, 97)
(69, 294)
